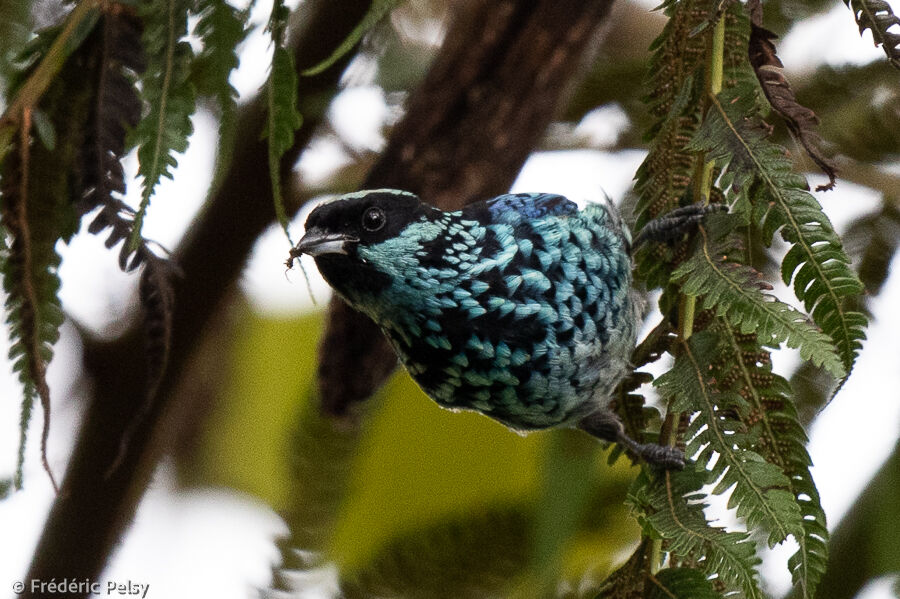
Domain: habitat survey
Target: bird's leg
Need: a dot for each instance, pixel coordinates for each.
(676, 223)
(605, 425)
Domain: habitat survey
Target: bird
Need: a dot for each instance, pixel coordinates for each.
(521, 307)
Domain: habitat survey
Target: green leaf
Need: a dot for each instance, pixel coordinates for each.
(718, 440)
(36, 214)
(760, 172)
(37, 210)
(664, 175)
(681, 583)
(878, 17)
(377, 11)
(735, 291)
(283, 117)
(169, 93)
(220, 27)
(674, 510)
(635, 580)
(322, 453)
(745, 368)
(44, 129)
(674, 99)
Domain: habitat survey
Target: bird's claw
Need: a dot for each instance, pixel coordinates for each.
(662, 456)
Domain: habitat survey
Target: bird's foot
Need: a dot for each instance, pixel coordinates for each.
(674, 224)
(605, 425)
(661, 456)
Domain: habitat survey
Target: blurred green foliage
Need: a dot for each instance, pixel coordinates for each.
(417, 468)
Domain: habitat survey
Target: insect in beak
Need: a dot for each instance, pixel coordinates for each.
(317, 242)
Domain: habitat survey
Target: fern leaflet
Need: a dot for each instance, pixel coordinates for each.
(116, 110)
(877, 16)
(283, 117)
(681, 583)
(736, 292)
(663, 181)
(629, 580)
(761, 491)
(473, 555)
(760, 172)
(744, 368)
(36, 213)
(221, 27)
(377, 11)
(168, 91)
(675, 512)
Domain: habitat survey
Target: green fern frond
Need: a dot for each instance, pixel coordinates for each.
(674, 506)
(635, 580)
(569, 463)
(663, 181)
(377, 11)
(283, 117)
(745, 368)
(719, 440)
(735, 291)
(664, 176)
(681, 583)
(37, 208)
(878, 17)
(759, 171)
(220, 27)
(36, 213)
(170, 96)
(322, 456)
(632, 411)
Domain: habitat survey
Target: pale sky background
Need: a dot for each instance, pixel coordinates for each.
(219, 543)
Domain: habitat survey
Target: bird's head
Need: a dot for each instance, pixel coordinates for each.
(362, 241)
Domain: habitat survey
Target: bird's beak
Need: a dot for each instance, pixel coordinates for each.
(317, 242)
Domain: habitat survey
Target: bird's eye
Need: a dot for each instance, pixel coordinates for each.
(373, 219)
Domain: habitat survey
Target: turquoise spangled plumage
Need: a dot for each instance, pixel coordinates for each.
(521, 307)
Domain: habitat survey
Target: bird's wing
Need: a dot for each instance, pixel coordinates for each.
(513, 207)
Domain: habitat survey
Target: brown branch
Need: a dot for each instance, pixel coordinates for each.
(92, 510)
(469, 127)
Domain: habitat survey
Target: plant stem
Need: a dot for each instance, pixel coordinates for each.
(703, 177)
(702, 186)
(715, 68)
